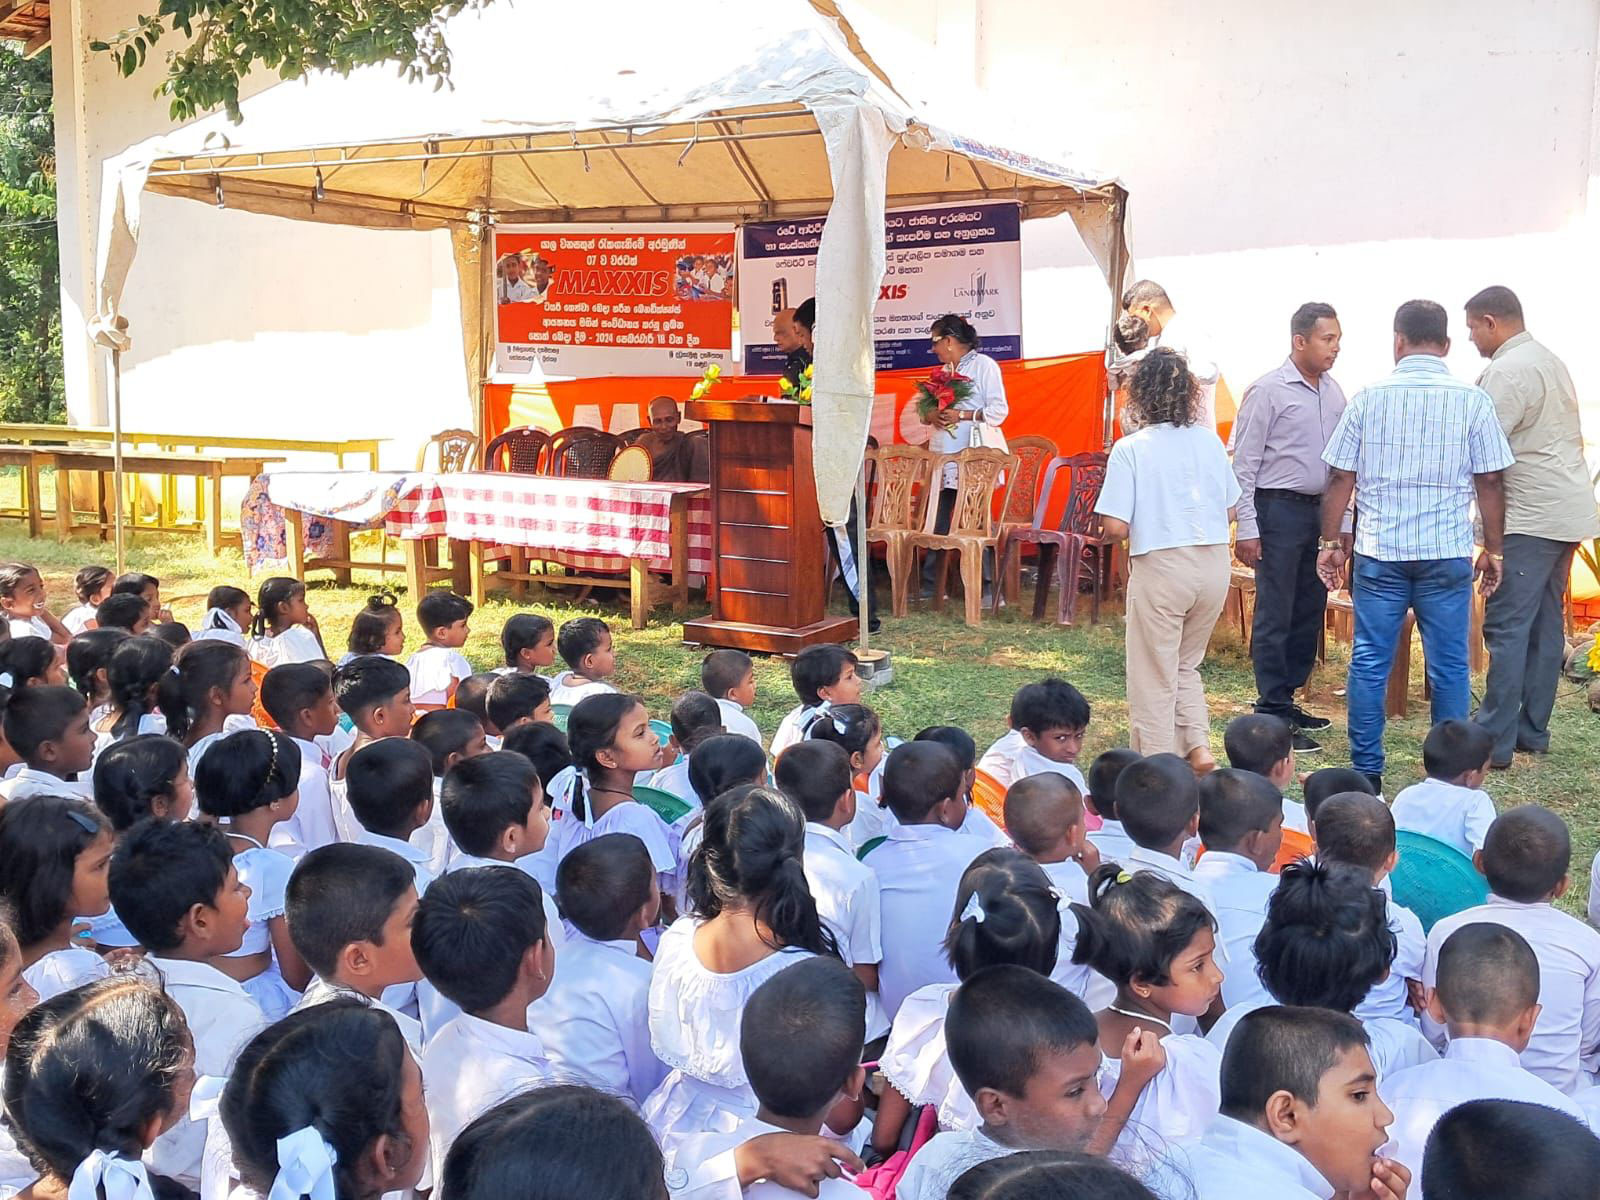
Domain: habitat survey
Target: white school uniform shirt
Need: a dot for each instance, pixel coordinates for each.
(432, 669)
(563, 691)
(1011, 759)
(1565, 1048)
(16, 1172)
(919, 868)
(794, 725)
(470, 1066)
(31, 782)
(1594, 891)
(1241, 890)
(949, 1155)
(104, 739)
(1471, 1069)
(295, 644)
(320, 991)
(402, 997)
(1181, 876)
(433, 837)
(266, 873)
(704, 1163)
(595, 1019)
(62, 970)
(846, 892)
(674, 778)
(916, 1064)
(30, 627)
(1389, 997)
(1112, 841)
(1456, 816)
(569, 831)
(312, 825)
(77, 621)
(736, 720)
(1084, 982)
(222, 1017)
(1235, 1161)
(694, 1030)
(1179, 1104)
(1394, 1045)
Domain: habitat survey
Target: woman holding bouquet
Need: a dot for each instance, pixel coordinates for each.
(1170, 491)
(971, 418)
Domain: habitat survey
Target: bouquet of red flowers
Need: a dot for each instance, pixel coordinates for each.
(944, 387)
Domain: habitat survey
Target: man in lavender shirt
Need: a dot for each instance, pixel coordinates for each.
(1283, 425)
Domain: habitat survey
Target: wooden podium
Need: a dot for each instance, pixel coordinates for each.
(767, 549)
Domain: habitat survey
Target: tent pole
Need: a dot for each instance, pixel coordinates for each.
(863, 557)
(1119, 268)
(116, 459)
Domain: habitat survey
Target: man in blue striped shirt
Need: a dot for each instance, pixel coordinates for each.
(1415, 448)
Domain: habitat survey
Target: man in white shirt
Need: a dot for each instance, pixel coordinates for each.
(510, 287)
(1300, 1117)
(1525, 858)
(1487, 997)
(1450, 804)
(1149, 301)
(1241, 826)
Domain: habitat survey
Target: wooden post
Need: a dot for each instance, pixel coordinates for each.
(294, 542)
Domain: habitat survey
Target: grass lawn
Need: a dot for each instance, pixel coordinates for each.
(945, 673)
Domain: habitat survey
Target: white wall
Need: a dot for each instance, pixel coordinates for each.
(243, 323)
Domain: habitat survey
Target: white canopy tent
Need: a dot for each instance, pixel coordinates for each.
(708, 110)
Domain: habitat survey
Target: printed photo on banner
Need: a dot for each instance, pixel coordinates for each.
(960, 258)
(580, 301)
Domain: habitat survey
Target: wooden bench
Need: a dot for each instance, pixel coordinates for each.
(209, 470)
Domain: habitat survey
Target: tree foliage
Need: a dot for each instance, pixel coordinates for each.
(224, 40)
(30, 287)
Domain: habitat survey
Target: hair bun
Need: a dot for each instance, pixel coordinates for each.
(379, 601)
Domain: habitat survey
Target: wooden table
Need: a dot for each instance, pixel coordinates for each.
(209, 470)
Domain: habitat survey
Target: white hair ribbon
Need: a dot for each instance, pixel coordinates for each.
(217, 618)
(1063, 901)
(122, 1178)
(305, 1167)
(974, 909)
(7, 680)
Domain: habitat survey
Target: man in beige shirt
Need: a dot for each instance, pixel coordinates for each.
(1550, 508)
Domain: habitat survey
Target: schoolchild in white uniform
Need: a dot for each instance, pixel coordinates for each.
(595, 1019)
(1486, 996)
(585, 646)
(480, 940)
(716, 765)
(919, 867)
(438, 667)
(1526, 858)
(528, 641)
(299, 697)
(134, 675)
(1047, 722)
(91, 585)
(978, 823)
(1300, 1115)
(375, 693)
(800, 1047)
(229, 612)
(379, 628)
(857, 729)
(1158, 799)
(1106, 834)
(1324, 943)
(695, 717)
(284, 631)
(145, 776)
(54, 852)
(1534, 1152)
(815, 774)
(450, 736)
(1450, 804)
(176, 888)
(822, 676)
(22, 600)
(211, 684)
(1264, 745)
(1027, 1052)
(48, 727)
(710, 962)
(248, 787)
(1241, 827)
(87, 663)
(729, 678)
(514, 699)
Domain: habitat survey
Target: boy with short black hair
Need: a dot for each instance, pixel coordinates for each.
(1300, 1114)
(147, 588)
(1486, 995)
(494, 809)
(919, 866)
(1241, 827)
(729, 678)
(1526, 858)
(174, 886)
(374, 691)
(390, 792)
(350, 911)
(815, 774)
(472, 695)
(123, 612)
(585, 646)
(1047, 722)
(450, 735)
(1331, 781)
(800, 1042)
(596, 1016)
(1265, 745)
(48, 728)
(1450, 804)
(1110, 839)
(822, 676)
(958, 741)
(299, 698)
(480, 937)
(514, 699)
(1158, 799)
(544, 746)
(1044, 818)
(1496, 1149)
(438, 668)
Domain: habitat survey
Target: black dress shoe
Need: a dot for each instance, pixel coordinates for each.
(1301, 719)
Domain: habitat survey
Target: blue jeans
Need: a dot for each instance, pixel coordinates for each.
(1439, 591)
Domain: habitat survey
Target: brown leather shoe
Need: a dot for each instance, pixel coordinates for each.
(1201, 761)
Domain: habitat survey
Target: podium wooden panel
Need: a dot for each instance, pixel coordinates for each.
(767, 537)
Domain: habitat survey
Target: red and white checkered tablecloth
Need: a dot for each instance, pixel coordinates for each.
(591, 524)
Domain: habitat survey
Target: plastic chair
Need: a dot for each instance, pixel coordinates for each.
(559, 714)
(1034, 453)
(580, 452)
(664, 804)
(661, 729)
(1061, 549)
(456, 450)
(895, 508)
(1433, 879)
(631, 465)
(1296, 845)
(989, 794)
(517, 450)
(974, 530)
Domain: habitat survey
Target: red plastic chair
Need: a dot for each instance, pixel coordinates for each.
(1061, 550)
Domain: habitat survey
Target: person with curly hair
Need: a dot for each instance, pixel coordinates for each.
(1170, 491)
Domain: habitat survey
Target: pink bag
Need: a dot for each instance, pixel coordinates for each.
(880, 1181)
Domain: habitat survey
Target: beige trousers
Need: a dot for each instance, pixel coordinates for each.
(1174, 599)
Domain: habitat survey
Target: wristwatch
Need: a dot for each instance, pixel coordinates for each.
(1329, 544)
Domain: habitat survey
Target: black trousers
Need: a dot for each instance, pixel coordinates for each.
(1290, 599)
(857, 571)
